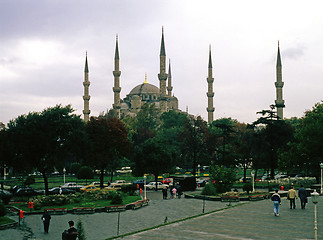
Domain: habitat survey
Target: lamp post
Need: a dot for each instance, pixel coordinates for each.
(321, 165)
(315, 199)
(145, 188)
(64, 172)
(253, 180)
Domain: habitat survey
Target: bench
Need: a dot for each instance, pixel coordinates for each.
(117, 208)
(256, 197)
(83, 210)
(230, 199)
(138, 204)
(56, 211)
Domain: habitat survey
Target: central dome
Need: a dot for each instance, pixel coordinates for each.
(144, 88)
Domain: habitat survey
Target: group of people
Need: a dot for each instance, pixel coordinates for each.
(175, 191)
(291, 196)
(69, 234)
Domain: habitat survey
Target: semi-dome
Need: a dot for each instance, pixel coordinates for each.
(144, 88)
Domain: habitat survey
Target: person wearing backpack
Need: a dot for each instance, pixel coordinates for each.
(277, 202)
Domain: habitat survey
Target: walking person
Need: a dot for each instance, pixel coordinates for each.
(164, 192)
(171, 192)
(46, 220)
(71, 233)
(292, 195)
(302, 194)
(277, 202)
(174, 190)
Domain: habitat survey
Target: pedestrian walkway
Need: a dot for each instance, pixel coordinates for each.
(250, 220)
(254, 220)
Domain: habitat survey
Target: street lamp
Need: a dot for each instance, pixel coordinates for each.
(321, 165)
(253, 180)
(145, 188)
(315, 200)
(64, 171)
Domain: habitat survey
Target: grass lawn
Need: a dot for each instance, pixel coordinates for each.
(96, 204)
(6, 220)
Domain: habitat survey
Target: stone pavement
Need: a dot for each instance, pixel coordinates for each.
(251, 220)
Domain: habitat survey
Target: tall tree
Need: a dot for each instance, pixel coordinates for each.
(275, 133)
(153, 157)
(42, 140)
(220, 138)
(306, 150)
(193, 141)
(108, 143)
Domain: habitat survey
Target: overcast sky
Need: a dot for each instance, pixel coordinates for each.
(43, 45)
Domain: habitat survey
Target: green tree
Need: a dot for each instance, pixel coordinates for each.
(306, 150)
(221, 135)
(223, 177)
(85, 172)
(193, 141)
(152, 156)
(108, 143)
(42, 140)
(275, 133)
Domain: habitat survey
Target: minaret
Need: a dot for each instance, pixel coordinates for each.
(169, 87)
(86, 97)
(162, 76)
(210, 93)
(116, 74)
(279, 87)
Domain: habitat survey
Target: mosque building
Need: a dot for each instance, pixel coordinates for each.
(141, 94)
(163, 97)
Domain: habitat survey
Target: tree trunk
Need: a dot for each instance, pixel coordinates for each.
(45, 182)
(101, 177)
(156, 180)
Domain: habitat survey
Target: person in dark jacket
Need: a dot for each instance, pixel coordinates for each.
(71, 233)
(46, 220)
(277, 202)
(302, 194)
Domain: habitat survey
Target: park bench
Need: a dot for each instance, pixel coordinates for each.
(230, 199)
(116, 208)
(257, 197)
(56, 211)
(83, 210)
(139, 204)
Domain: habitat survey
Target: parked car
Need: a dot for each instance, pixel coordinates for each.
(15, 188)
(89, 188)
(248, 179)
(27, 191)
(167, 181)
(97, 184)
(72, 185)
(152, 186)
(119, 183)
(55, 190)
(202, 182)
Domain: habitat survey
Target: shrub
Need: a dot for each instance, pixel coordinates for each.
(209, 190)
(80, 231)
(223, 177)
(116, 199)
(247, 188)
(29, 180)
(129, 189)
(3, 210)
